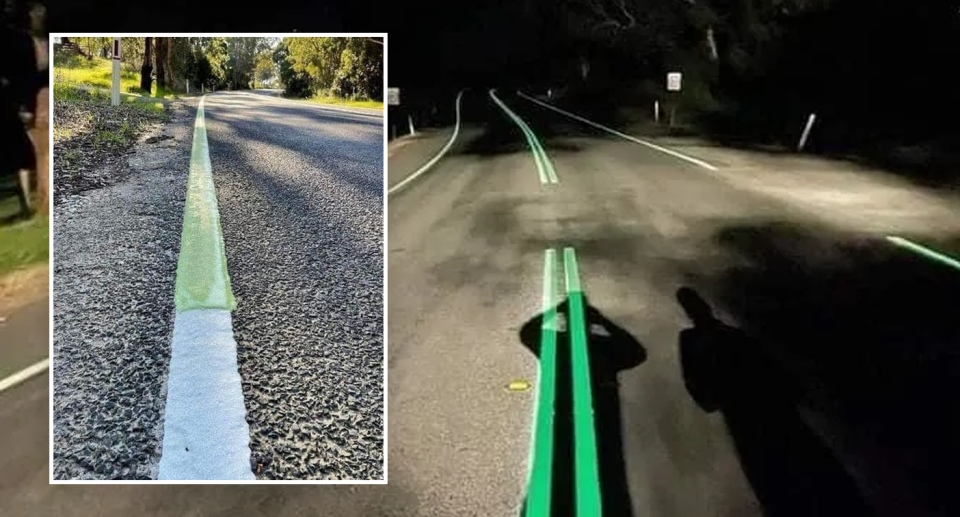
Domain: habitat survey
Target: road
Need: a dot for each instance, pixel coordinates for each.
(829, 302)
(299, 189)
(24, 407)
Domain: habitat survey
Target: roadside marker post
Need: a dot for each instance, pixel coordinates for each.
(806, 131)
(115, 90)
(410, 121)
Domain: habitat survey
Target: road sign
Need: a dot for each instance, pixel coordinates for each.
(393, 96)
(673, 81)
(116, 48)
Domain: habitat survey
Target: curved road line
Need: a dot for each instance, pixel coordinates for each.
(435, 159)
(24, 374)
(671, 152)
(544, 166)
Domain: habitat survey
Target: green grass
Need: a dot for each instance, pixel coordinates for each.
(338, 101)
(98, 74)
(24, 243)
(78, 92)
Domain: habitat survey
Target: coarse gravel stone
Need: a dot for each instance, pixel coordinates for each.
(114, 262)
(300, 191)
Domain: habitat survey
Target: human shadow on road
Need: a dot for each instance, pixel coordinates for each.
(611, 350)
(793, 473)
(870, 331)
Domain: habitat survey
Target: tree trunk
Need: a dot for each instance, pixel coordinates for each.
(170, 79)
(146, 82)
(161, 51)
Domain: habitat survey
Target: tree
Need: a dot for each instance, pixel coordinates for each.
(295, 84)
(345, 67)
(265, 69)
(146, 80)
(161, 51)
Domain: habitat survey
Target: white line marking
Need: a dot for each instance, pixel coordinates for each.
(671, 152)
(24, 374)
(205, 431)
(435, 159)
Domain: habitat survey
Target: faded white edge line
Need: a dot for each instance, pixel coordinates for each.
(435, 159)
(671, 152)
(205, 430)
(24, 374)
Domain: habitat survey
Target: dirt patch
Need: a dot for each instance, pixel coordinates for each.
(22, 287)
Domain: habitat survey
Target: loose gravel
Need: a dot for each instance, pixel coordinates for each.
(90, 140)
(301, 204)
(114, 265)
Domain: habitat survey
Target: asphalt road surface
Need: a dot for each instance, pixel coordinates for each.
(300, 193)
(300, 190)
(822, 405)
(24, 408)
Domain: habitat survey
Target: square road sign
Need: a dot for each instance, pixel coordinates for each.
(393, 96)
(673, 81)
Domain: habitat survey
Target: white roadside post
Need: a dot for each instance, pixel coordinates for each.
(673, 85)
(656, 112)
(188, 85)
(393, 99)
(806, 131)
(115, 91)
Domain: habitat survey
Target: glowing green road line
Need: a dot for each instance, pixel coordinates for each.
(202, 279)
(924, 251)
(541, 473)
(587, 471)
(545, 168)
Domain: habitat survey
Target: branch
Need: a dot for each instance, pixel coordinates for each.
(377, 41)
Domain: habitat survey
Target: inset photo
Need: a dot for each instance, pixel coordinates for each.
(218, 258)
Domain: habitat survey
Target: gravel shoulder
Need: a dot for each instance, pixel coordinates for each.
(116, 249)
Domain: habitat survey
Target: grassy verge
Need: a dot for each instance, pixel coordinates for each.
(96, 77)
(74, 92)
(350, 103)
(25, 243)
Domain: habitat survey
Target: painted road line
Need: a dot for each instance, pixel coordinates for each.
(540, 483)
(24, 374)
(205, 431)
(433, 161)
(545, 168)
(202, 279)
(924, 251)
(671, 152)
(586, 464)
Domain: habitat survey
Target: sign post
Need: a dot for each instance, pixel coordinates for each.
(115, 91)
(674, 80)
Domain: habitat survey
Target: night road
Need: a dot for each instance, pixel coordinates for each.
(825, 392)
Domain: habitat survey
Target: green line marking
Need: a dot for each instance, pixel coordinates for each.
(540, 483)
(924, 251)
(202, 279)
(587, 471)
(545, 168)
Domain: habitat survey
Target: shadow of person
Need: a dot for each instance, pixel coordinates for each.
(611, 350)
(793, 473)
